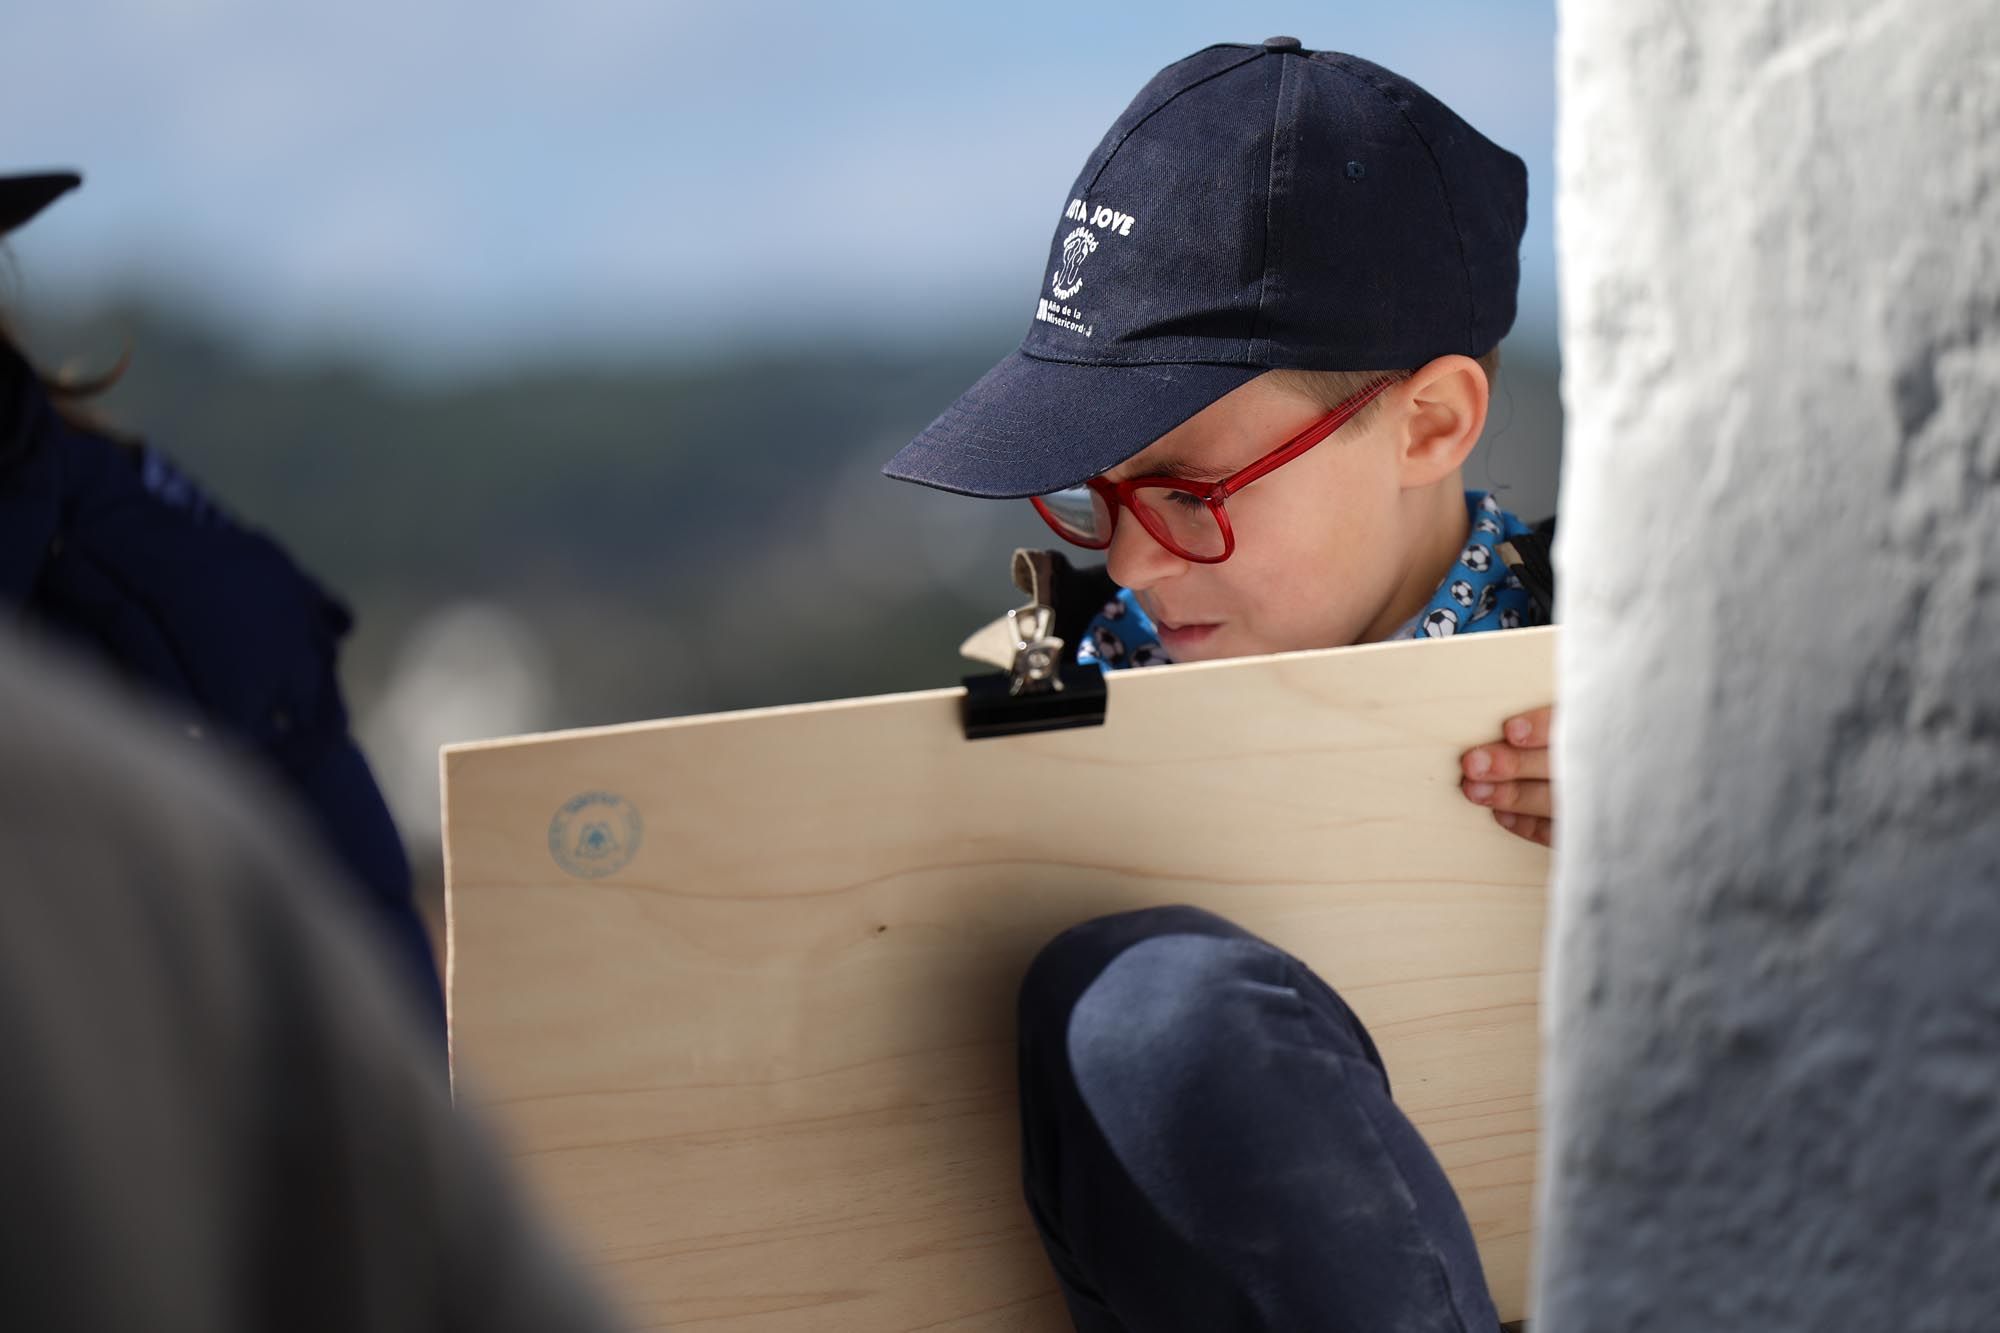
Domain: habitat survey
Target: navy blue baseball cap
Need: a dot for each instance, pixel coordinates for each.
(1255, 208)
(21, 197)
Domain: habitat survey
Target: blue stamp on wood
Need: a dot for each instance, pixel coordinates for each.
(594, 835)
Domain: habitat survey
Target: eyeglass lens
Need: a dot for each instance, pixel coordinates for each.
(1177, 519)
(1079, 514)
(1182, 521)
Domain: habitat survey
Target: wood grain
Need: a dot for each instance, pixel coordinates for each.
(765, 1068)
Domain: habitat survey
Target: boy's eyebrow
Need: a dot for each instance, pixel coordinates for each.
(1185, 471)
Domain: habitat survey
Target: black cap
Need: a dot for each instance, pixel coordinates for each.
(21, 197)
(1256, 207)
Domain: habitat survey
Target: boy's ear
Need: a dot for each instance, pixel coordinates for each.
(1442, 410)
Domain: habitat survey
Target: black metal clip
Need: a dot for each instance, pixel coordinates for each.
(1039, 691)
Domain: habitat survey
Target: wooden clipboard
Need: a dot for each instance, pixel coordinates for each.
(738, 989)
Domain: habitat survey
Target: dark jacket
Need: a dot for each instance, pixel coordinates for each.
(105, 546)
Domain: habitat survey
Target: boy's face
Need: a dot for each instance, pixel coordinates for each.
(1327, 547)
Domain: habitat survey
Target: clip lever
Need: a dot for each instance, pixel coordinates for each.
(1039, 691)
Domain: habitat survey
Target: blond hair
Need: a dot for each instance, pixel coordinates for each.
(1331, 388)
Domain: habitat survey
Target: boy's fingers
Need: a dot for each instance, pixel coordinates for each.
(1521, 798)
(1529, 729)
(1527, 826)
(1503, 763)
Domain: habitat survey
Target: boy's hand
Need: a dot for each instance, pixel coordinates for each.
(1511, 777)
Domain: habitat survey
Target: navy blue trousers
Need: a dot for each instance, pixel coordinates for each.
(1209, 1144)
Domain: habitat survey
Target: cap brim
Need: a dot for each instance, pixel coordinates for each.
(21, 197)
(1032, 426)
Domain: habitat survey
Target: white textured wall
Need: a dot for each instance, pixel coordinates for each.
(1774, 1073)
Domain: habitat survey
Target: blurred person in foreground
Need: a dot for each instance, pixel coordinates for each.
(1261, 351)
(216, 1116)
(107, 547)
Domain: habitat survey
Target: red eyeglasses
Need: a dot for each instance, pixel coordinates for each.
(1186, 517)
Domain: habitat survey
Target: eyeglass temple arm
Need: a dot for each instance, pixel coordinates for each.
(1285, 453)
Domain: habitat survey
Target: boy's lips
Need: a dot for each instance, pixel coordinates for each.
(1161, 620)
(1176, 632)
(1182, 635)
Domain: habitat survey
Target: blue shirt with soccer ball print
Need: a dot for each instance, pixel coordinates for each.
(1480, 593)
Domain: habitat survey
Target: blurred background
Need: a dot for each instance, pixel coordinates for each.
(564, 340)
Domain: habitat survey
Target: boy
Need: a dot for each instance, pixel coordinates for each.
(1259, 357)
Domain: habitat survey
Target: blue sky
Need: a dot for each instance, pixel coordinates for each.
(458, 182)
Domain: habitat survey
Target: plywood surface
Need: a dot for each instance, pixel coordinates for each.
(738, 990)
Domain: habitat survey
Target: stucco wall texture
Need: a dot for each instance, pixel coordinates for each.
(1773, 1071)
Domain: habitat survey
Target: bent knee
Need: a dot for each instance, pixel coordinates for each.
(1176, 1006)
(1067, 965)
(1135, 975)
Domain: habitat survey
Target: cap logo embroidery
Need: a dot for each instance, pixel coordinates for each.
(1080, 244)
(1077, 247)
(1107, 219)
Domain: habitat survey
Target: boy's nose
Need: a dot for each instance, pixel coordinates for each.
(1134, 560)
